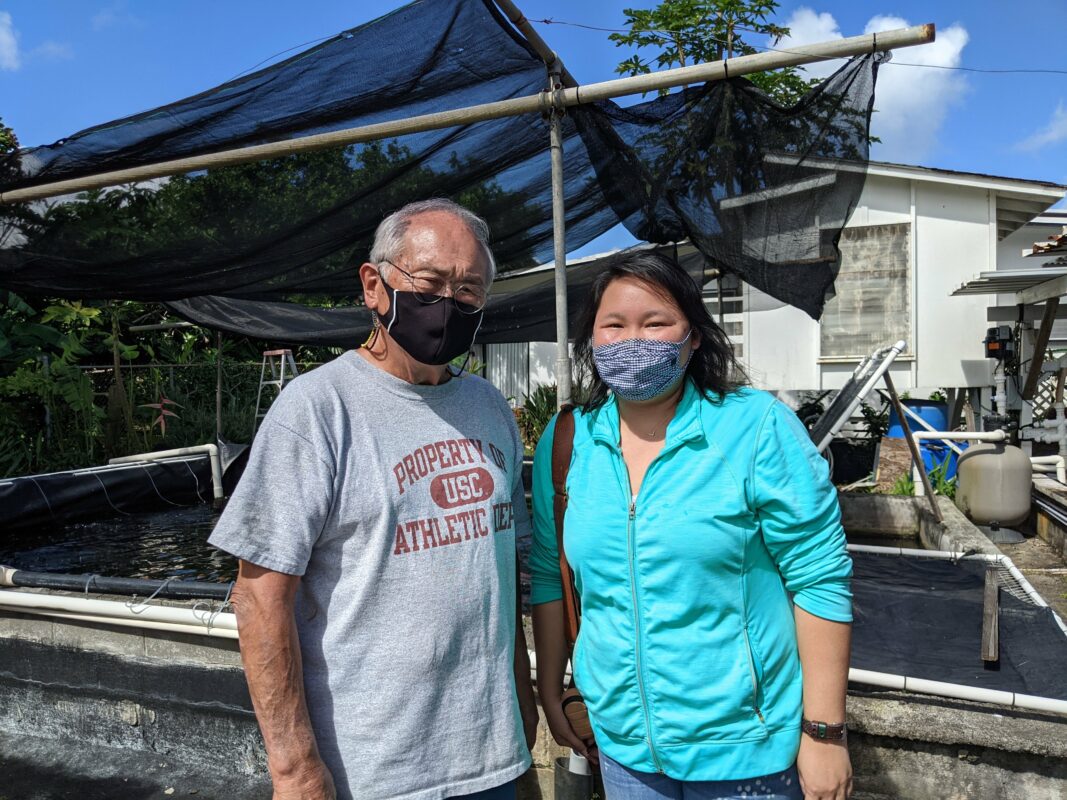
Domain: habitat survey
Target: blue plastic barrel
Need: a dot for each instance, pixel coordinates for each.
(934, 452)
(934, 412)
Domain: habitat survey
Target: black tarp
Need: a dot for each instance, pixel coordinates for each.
(521, 308)
(922, 618)
(38, 501)
(760, 189)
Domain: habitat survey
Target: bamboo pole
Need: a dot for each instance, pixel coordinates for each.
(548, 55)
(540, 103)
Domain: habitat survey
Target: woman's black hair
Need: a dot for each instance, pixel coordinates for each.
(713, 367)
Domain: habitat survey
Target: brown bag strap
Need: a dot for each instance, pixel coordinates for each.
(562, 448)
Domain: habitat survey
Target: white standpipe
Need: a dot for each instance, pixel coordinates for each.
(212, 453)
(1000, 381)
(959, 436)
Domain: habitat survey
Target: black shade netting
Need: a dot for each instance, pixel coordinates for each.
(520, 309)
(922, 618)
(760, 189)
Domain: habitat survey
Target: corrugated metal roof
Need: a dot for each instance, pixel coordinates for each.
(1008, 280)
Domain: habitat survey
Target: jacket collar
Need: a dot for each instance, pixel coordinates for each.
(686, 426)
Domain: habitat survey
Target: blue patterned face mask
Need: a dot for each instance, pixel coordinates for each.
(640, 369)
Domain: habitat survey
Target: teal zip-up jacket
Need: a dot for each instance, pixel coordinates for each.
(687, 653)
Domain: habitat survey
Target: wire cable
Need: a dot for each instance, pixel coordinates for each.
(801, 51)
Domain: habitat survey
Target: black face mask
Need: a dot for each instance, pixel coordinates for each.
(431, 334)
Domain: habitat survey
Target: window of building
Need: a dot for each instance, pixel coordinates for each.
(872, 307)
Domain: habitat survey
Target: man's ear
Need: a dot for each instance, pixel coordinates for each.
(375, 292)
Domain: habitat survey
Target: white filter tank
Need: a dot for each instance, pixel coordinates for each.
(994, 482)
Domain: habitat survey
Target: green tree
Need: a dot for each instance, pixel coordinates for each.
(686, 32)
(8, 140)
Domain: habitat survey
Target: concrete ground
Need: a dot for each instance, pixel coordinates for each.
(1043, 568)
(35, 769)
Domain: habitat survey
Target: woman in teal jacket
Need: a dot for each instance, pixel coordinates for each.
(708, 555)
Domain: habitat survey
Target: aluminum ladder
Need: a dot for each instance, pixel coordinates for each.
(283, 369)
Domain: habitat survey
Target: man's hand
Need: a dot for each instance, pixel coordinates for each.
(313, 783)
(825, 769)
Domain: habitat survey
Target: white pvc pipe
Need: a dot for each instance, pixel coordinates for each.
(141, 624)
(1039, 462)
(89, 470)
(964, 436)
(202, 620)
(211, 450)
(1001, 396)
(957, 691)
(960, 436)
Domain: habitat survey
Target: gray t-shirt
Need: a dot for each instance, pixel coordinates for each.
(399, 505)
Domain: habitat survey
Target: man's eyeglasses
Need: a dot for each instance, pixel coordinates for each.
(430, 288)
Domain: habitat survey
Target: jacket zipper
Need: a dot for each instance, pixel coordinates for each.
(632, 546)
(632, 552)
(752, 675)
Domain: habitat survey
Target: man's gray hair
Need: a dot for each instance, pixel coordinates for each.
(389, 237)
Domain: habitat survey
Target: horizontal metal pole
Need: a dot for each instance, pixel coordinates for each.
(538, 103)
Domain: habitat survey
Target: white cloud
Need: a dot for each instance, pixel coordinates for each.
(9, 43)
(911, 103)
(1053, 133)
(52, 51)
(808, 27)
(112, 16)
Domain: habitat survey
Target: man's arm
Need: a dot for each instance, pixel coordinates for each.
(270, 651)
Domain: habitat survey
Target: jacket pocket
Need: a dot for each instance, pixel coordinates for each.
(755, 671)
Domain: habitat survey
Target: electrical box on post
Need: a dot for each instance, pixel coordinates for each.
(999, 343)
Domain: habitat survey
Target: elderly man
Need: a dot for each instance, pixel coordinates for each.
(375, 527)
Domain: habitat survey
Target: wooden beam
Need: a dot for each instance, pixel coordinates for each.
(1031, 313)
(991, 618)
(1037, 360)
(1057, 287)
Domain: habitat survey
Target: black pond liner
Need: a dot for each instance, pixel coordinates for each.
(922, 618)
(33, 501)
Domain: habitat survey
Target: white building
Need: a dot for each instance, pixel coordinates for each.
(916, 235)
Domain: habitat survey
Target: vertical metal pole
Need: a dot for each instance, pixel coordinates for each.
(218, 386)
(559, 241)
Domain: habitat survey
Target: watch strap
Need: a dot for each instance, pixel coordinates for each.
(823, 730)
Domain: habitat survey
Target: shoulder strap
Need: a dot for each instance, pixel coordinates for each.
(562, 448)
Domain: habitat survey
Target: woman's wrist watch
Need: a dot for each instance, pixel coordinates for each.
(823, 730)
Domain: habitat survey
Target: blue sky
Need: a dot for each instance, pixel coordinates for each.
(69, 64)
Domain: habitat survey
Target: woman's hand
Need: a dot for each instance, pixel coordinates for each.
(562, 731)
(825, 769)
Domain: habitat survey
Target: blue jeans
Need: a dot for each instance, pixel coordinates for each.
(505, 792)
(622, 783)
